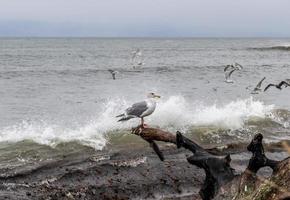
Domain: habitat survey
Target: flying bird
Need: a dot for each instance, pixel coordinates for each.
(135, 54)
(235, 65)
(278, 86)
(140, 109)
(113, 73)
(257, 89)
(228, 76)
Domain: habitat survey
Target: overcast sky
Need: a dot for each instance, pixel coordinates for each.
(157, 18)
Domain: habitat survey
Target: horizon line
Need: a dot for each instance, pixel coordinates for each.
(151, 37)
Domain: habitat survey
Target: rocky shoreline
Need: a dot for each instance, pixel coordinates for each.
(127, 174)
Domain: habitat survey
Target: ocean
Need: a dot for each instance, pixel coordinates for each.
(58, 98)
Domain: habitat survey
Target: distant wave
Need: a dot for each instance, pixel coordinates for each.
(87, 72)
(279, 48)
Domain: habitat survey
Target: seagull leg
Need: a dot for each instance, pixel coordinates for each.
(142, 122)
(141, 125)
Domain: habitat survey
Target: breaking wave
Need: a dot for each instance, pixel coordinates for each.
(172, 113)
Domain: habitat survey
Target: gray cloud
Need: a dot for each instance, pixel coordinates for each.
(145, 18)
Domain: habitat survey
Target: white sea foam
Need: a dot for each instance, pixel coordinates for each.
(174, 112)
(177, 112)
(232, 115)
(52, 135)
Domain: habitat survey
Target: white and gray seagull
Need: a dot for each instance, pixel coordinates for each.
(257, 89)
(235, 65)
(278, 86)
(140, 109)
(113, 73)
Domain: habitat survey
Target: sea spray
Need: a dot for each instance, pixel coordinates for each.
(51, 135)
(179, 113)
(171, 113)
(232, 115)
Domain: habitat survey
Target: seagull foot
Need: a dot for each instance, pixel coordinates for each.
(141, 127)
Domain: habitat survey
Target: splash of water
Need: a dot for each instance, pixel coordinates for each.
(175, 112)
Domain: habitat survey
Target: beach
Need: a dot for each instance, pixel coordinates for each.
(59, 137)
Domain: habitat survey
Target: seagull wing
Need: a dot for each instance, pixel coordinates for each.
(241, 67)
(228, 75)
(270, 85)
(283, 83)
(226, 68)
(260, 83)
(137, 109)
(113, 73)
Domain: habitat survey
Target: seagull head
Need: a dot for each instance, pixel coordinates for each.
(153, 95)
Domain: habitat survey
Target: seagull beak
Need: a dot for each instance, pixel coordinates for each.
(157, 96)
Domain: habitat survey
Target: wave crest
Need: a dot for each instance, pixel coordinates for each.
(174, 113)
(232, 115)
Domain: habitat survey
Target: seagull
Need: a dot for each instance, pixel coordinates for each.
(235, 65)
(257, 89)
(279, 86)
(140, 109)
(228, 76)
(113, 72)
(135, 54)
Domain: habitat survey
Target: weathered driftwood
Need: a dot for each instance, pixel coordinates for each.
(253, 187)
(153, 134)
(219, 172)
(259, 159)
(217, 168)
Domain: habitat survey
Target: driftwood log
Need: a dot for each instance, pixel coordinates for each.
(218, 170)
(151, 135)
(253, 187)
(259, 159)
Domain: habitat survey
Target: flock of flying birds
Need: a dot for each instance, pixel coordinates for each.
(137, 61)
(229, 69)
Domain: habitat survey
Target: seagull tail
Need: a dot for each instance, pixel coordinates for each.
(124, 119)
(121, 115)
